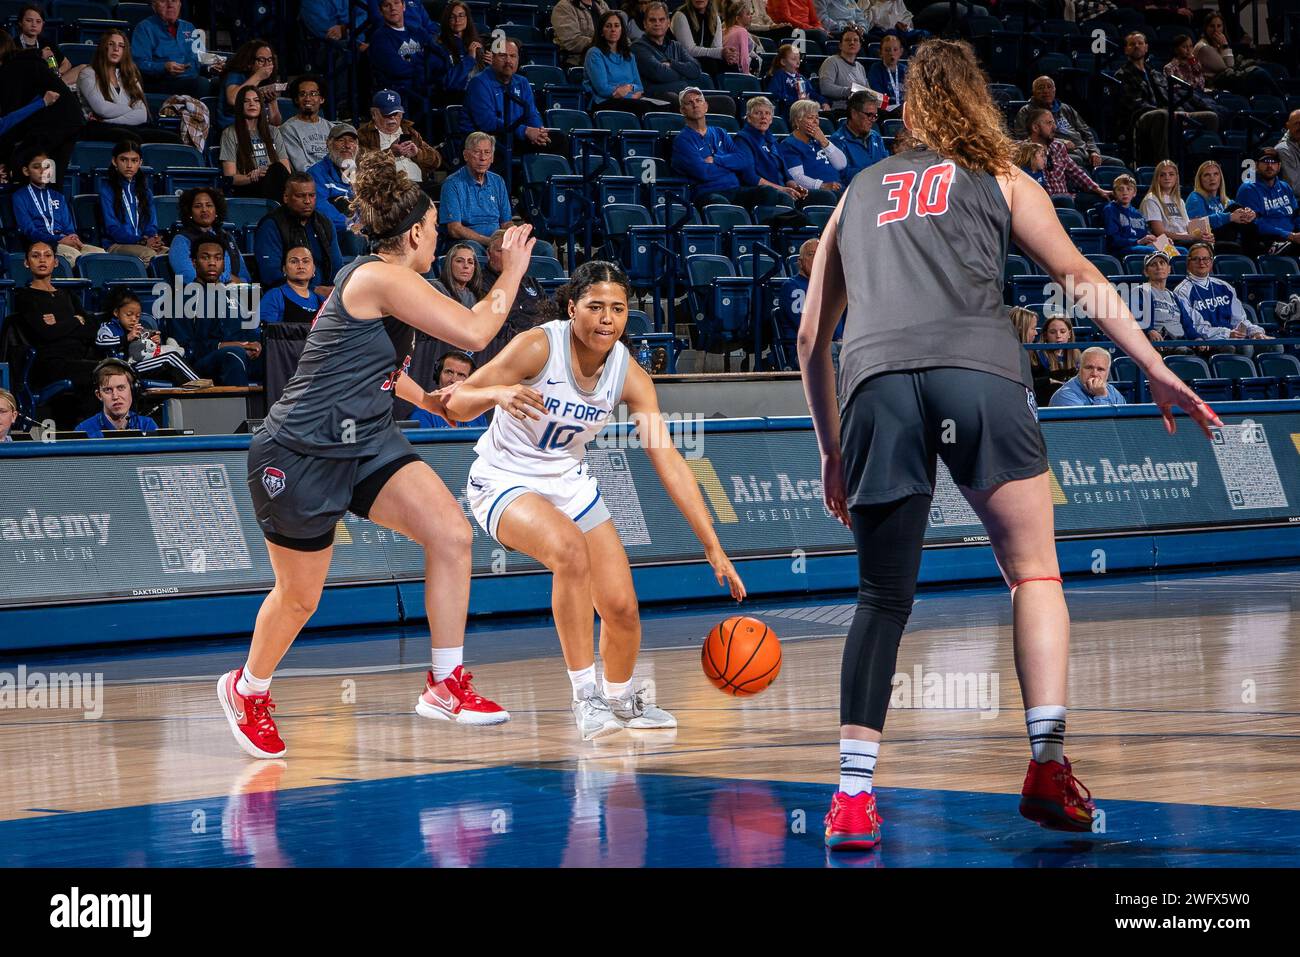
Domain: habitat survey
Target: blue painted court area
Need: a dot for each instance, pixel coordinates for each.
(537, 817)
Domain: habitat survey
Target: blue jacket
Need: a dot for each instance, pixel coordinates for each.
(98, 424)
(269, 250)
(878, 80)
(271, 306)
(152, 46)
(406, 60)
(10, 120)
(1213, 209)
(455, 75)
(1072, 394)
(485, 100)
(764, 155)
(1125, 225)
(860, 155)
(330, 186)
(723, 174)
(785, 88)
(320, 15)
(136, 224)
(430, 421)
(30, 202)
(1274, 206)
(604, 72)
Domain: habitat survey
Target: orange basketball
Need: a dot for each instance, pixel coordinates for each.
(741, 656)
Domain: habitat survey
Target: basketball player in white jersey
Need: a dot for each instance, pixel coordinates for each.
(530, 489)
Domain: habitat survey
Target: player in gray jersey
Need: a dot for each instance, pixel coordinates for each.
(930, 369)
(330, 446)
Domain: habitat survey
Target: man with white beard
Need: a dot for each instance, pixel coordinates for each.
(333, 175)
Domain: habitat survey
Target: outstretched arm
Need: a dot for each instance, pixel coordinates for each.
(678, 479)
(499, 383)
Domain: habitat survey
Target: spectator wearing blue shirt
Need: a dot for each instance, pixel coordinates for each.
(332, 19)
(202, 211)
(713, 164)
(889, 76)
(163, 48)
(214, 340)
(497, 98)
(253, 64)
(333, 191)
(294, 300)
(126, 206)
(785, 84)
(404, 56)
(813, 160)
(1277, 218)
(297, 223)
(612, 79)
(1090, 386)
(1232, 224)
(857, 136)
(43, 212)
(455, 366)
(755, 139)
(1126, 227)
(474, 200)
(113, 382)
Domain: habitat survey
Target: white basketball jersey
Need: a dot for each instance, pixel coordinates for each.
(552, 445)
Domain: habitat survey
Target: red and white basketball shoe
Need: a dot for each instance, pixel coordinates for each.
(853, 823)
(250, 718)
(1051, 797)
(454, 699)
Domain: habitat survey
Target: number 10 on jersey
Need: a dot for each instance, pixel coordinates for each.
(931, 199)
(558, 436)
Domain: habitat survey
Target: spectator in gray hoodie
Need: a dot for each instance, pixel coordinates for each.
(839, 73)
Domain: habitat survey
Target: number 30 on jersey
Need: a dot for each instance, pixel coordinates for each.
(929, 198)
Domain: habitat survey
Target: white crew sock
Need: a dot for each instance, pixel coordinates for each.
(616, 689)
(857, 765)
(1046, 725)
(248, 683)
(447, 660)
(580, 680)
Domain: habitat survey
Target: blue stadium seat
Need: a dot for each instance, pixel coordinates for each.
(1109, 265)
(167, 210)
(724, 122)
(616, 120)
(566, 120)
(619, 189)
(1285, 272)
(1246, 381)
(86, 216)
(663, 122)
(701, 273)
(545, 267)
(16, 269)
(1089, 241)
(740, 83)
(1285, 368)
(1232, 266)
(1071, 218)
(1193, 371)
(819, 216)
(1133, 263)
(245, 212)
(102, 268)
(1126, 375)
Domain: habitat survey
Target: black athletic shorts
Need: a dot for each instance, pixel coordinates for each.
(300, 498)
(896, 424)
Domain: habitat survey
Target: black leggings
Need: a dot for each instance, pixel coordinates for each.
(889, 538)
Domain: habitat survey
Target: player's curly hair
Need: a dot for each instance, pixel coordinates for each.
(951, 110)
(384, 196)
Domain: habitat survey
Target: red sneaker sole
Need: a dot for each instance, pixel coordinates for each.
(1048, 814)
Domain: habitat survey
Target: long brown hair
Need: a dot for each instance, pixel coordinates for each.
(467, 36)
(951, 110)
(244, 158)
(128, 73)
(1064, 358)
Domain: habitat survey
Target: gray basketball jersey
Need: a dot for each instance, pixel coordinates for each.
(923, 243)
(339, 403)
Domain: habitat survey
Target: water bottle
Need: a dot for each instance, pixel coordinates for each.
(643, 356)
(53, 63)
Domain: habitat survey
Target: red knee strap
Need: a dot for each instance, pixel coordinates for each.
(1041, 578)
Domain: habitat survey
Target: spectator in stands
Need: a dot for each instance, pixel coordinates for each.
(1025, 323)
(1160, 313)
(126, 206)
(112, 91)
(387, 129)
(663, 64)
(294, 300)
(1031, 157)
(793, 295)
(163, 46)
(531, 308)
(839, 73)
(739, 49)
(202, 211)
(453, 367)
(1090, 386)
(1061, 364)
(574, 25)
(332, 19)
(123, 335)
(1070, 126)
(56, 126)
(1232, 225)
(253, 64)
(475, 203)
(858, 137)
(632, 13)
(486, 107)
(43, 212)
(801, 14)
(886, 16)
(333, 175)
(889, 76)
(1144, 101)
(1184, 63)
(114, 388)
(459, 44)
(1277, 215)
(252, 154)
(1222, 69)
(1062, 176)
(837, 15)
(714, 165)
(1213, 306)
(297, 223)
(460, 277)
(813, 160)
(611, 78)
(756, 139)
(761, 23)
(414, 12)
(785, 84)
(697, 25)
(210, 340)
(1126, 227)
(1288, 151)
(305, 135)
(8, 414)
(31, 36)
(52, 322)
(1165, 211)
(404, 57)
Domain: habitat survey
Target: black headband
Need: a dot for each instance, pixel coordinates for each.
(416, 214)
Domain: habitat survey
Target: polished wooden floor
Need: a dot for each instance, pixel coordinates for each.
(1183, 690)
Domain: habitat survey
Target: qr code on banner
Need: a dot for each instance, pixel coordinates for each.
(1246, 463)
(195, 522)
(618, 489)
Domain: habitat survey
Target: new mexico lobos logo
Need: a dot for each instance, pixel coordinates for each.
(273, 481)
